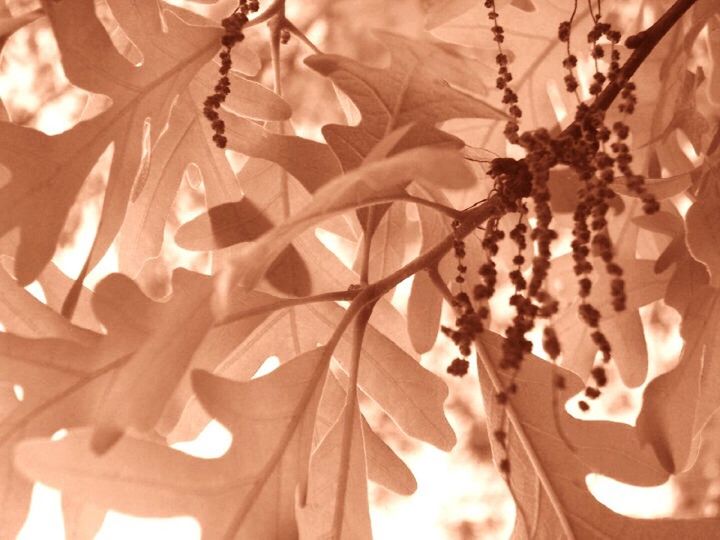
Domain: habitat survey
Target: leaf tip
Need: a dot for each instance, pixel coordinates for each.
(322, 63)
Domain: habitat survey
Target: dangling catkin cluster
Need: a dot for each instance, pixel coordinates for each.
(233, 26)
(596, 153)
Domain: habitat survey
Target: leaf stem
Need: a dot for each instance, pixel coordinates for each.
(317, 378)
(334, 296)
(275, 26)
(351, 408)
(268, 14)
(475, 216)
(443, 209)
(295, 31)
(440, 284)
(362, 299)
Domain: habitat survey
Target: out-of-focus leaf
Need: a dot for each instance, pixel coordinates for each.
(424, 310)
(442, 11)
(703, 235)
(678, 404)
(9, 24)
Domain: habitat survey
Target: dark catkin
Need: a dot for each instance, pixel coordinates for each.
(233, 26)
(467, 323)
(470, 320)
(458, 367)
(504, 76)
(570, 60)
(596, 153)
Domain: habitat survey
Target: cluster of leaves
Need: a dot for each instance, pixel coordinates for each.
(127, 374)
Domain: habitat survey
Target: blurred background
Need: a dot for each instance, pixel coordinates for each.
(460, 495)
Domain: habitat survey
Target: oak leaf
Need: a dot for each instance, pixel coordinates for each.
(548, 476)
(407, 92)
(41, 191)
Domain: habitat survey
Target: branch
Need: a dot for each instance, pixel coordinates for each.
(472, 218)
(648, 39)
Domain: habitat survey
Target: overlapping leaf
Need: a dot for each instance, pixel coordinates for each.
(538, 54)
(678, 404)
(354, 189)
(81, 378)
(47, 172)
(336, 482)
(188, 139)
(408, 92)
(9, 24)
(548, 478)
(248, 492)
(623, 329)
(250, 489)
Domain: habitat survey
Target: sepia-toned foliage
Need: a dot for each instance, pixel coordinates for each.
(455, 153)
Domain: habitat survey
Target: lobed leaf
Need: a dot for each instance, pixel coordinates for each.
(548, 477)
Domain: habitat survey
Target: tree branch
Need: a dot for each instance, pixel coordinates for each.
(648, 39)
(471, 219)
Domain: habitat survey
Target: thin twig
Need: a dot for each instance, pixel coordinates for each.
(335, 296)
(295, 31)
(471, 219)
(268, 14)
(351, 406)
